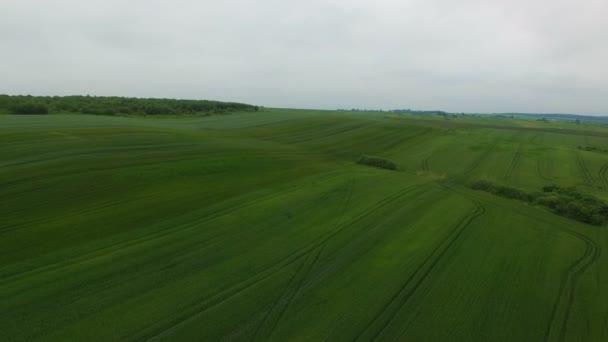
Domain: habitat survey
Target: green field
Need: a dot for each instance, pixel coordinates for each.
(262, 226)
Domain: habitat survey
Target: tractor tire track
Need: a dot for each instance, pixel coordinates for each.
(540, 165)
(537, 139)
(284, 301)
(556, 329)
(414, 137)
(379, 323)
(513, 164)
(424, 165)
(587, 178)
(210, 216)
(595, 254)
(602, 175)
(567, 287)
(287, 294)
(200, 308)
(207, 217)
(480, 159)
(277, 302)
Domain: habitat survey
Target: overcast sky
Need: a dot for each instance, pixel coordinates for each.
(465, 55)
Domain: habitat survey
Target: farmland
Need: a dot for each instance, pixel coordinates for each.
(262, 226)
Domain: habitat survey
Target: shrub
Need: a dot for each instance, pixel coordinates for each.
(484, 185)
(501, 190)
(509, 192)
(550, 188)
(567, 202)
(377, 162)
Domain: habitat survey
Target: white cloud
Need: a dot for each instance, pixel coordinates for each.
(470, 55)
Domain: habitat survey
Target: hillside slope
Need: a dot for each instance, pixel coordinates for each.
(262, 226)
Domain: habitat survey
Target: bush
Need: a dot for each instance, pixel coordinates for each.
(513, 193)
(484, 186)
(377, 162)
(501, 190)
(579, 206)
(567, 202)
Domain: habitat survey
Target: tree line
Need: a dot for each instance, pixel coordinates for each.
(111, 105)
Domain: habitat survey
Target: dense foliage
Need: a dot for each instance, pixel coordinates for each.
(377, 162)
(115, 105)
(501, 190)
(566, 202)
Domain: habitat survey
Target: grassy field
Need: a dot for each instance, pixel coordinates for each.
(262, 226)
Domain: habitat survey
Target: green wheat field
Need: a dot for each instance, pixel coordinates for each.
(262, 226)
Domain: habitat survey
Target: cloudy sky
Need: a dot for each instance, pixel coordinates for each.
(466, 55)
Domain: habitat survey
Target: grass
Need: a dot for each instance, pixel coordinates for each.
(261, 226)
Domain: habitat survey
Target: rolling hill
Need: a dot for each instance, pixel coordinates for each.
(261, 225)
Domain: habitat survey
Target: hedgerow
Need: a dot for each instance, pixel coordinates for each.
(567, 202)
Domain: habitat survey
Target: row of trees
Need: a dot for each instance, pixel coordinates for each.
(567, 202)
(419, 112)
(115, 105)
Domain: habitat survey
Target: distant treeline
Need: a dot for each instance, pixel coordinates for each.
(566, 202)
(359, 110)
(100, 105)
(419, 112)
(576, 118)
(401, 111)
